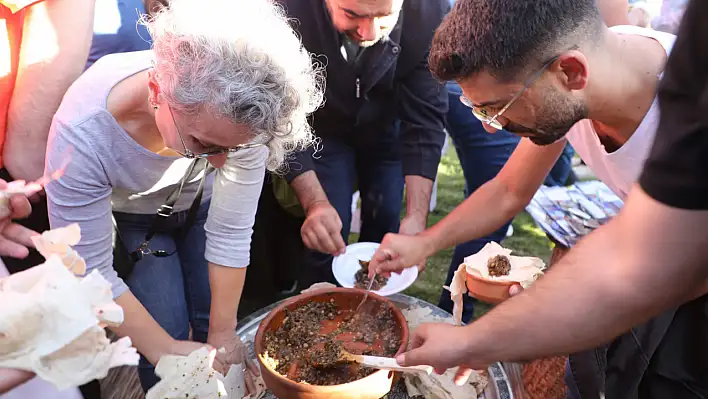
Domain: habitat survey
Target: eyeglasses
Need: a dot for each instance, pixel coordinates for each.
(212, 152)
(483, 115)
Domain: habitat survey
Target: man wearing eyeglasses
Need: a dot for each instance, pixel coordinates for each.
(556, 74)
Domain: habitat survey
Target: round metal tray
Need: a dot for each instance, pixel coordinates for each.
(499, 385)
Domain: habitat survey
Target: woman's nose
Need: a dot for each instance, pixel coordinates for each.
(217, 161)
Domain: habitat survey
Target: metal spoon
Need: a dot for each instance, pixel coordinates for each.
(371, 283)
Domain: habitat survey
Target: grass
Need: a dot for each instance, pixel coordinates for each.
(527, 239)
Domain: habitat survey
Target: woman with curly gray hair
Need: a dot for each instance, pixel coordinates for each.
(228, 86)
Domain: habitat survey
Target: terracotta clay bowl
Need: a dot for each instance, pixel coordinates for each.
(373, 386)
(489, 291)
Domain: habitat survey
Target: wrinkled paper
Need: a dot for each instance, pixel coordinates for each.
(193, 376)
(51, 321)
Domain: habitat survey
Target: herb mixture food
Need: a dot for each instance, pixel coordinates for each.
(361, 278)
(499, 265)
(314, 335)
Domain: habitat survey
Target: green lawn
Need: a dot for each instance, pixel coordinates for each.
(527, 239)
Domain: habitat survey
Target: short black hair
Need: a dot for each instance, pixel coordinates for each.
(506, 37)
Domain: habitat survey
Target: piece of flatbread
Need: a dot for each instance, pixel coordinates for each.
(458, 288)
(59, 242)
(436, 386)
(50, 324)
(524, 269)
(318, 286)
(193, 376)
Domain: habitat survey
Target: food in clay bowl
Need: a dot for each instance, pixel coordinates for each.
(489, 274)
(307, 331)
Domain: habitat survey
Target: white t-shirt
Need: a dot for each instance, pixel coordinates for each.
(620, 169)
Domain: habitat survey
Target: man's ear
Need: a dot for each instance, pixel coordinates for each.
(573, 69)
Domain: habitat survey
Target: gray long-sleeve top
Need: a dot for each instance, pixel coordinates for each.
(109, 171)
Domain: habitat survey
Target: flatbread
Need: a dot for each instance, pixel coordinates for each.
(59, 242)
(524, 269)
(318, 286)
(51, 321)
(193, 376)
(436, 386)
(458, 288)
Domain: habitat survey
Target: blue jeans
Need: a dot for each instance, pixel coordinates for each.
(376, 170)
(482, 155)
(174, 289)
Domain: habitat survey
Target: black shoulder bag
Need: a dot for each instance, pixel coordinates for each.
(123, 260)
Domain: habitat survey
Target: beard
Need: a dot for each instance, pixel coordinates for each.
(364, 43)
(553, 122)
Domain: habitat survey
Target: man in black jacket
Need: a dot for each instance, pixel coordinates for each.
(381, 126)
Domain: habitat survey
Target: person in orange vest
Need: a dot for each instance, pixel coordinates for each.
(40, 57)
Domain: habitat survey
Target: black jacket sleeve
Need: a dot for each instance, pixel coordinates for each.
(300, 162)
(676, 172)
(423, 106)
(423, 99)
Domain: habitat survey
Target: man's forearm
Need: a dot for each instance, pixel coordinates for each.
(619, 276)
(226, 285)
(52, 56)
(308, 189)
(418, 192)
(151, 340)
(485, 211)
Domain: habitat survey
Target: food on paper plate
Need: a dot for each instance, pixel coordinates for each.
(490, 273)
(51, 321)
(362, 281)
(193, 376)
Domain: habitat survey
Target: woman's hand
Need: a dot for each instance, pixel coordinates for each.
(231, 350)
(184, 348)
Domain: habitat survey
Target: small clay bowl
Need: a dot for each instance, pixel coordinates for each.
(489, 291)
(374, 386)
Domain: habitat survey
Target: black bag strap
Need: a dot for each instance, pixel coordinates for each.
(166, 210)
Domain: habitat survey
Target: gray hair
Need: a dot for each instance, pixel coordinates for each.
(241, 60)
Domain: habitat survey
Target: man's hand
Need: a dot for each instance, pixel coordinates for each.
(322, 230)
(233, 352)
(398, 252)
(14, 239)
(442, 346)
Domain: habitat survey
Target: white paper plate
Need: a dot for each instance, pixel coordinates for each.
(346, 265)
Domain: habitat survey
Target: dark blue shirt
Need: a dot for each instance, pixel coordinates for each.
(116, 29)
